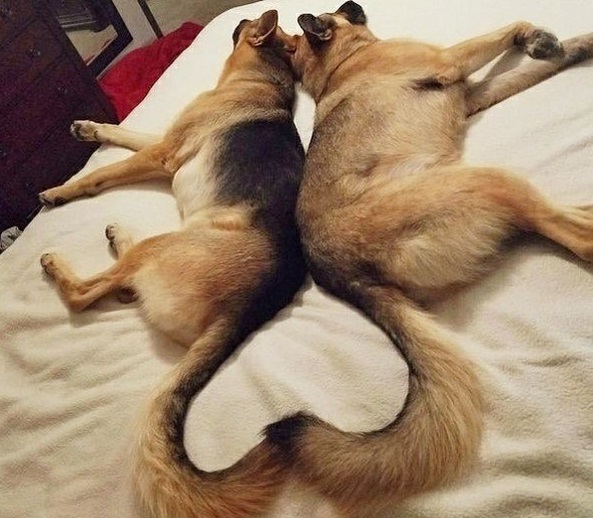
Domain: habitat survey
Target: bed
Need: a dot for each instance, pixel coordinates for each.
(71, 385)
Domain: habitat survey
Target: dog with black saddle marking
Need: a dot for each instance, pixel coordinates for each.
(235, 161)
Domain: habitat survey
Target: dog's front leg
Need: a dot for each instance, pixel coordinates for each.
(147, 164)
(90, 131)
(473, 54)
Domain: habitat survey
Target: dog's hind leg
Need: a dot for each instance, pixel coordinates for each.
(473, 54)
(495, 89)
(571, 227)
(78, 293)
(146, 164)
(112, 134)
(449, 226)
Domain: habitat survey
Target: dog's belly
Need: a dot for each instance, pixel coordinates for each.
(195, 184)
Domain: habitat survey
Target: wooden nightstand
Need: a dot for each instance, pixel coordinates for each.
(44, 85)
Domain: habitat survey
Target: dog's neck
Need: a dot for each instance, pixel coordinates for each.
(262, 68)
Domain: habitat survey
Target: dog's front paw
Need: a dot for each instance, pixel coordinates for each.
(87, 131)
(542, 44)
(48, 263)
(51, 198)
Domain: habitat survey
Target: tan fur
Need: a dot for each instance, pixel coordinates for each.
(391, 220)
(198, 284)
(499, 87)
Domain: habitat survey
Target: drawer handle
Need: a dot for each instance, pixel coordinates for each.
(34, 53)
(3, 152)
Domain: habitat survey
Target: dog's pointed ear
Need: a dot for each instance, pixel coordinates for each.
(316, 30)
(353, 13)
(238, 30)
(265, 29)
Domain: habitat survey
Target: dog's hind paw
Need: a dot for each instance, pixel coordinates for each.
(48, 263)
(111, 231)
(542, 44)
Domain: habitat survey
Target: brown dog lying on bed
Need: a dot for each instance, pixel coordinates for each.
(235, 159)
(392, 220)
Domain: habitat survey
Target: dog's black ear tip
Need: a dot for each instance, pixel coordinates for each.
(306, 21)
(354, 12)
(305, 17)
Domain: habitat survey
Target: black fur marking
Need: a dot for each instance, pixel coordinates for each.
(285, 433)
(577, 55)
(316, 30)
(353, 13)
(261, 164)
(428, 83)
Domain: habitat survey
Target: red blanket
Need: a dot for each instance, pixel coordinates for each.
(128, 81)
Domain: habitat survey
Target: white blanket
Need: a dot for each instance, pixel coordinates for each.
(71, 385)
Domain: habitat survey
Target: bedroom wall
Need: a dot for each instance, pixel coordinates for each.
(137, 24)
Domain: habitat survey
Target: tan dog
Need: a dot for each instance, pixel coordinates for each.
(235, 160)
(392, 220)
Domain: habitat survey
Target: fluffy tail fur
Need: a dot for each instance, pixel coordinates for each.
(493, 90)
(167, 481)
(433, 439)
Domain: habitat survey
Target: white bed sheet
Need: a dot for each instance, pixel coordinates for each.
(71, 385)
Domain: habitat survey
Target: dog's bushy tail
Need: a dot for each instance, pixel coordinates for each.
(434, 438)
(491, 91)
(168, 483)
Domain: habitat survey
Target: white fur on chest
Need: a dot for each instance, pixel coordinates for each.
(195, 183)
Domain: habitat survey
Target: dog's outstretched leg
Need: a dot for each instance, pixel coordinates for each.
(78, 293)
(495, 89)
(473, 54)
(146, 164)
(112, 134)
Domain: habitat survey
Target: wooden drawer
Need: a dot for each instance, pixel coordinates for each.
(52, 163)
(14, 15)
(54, 97)
(25, 59)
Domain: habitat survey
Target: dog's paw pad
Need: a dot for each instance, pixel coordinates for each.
(542, 44)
